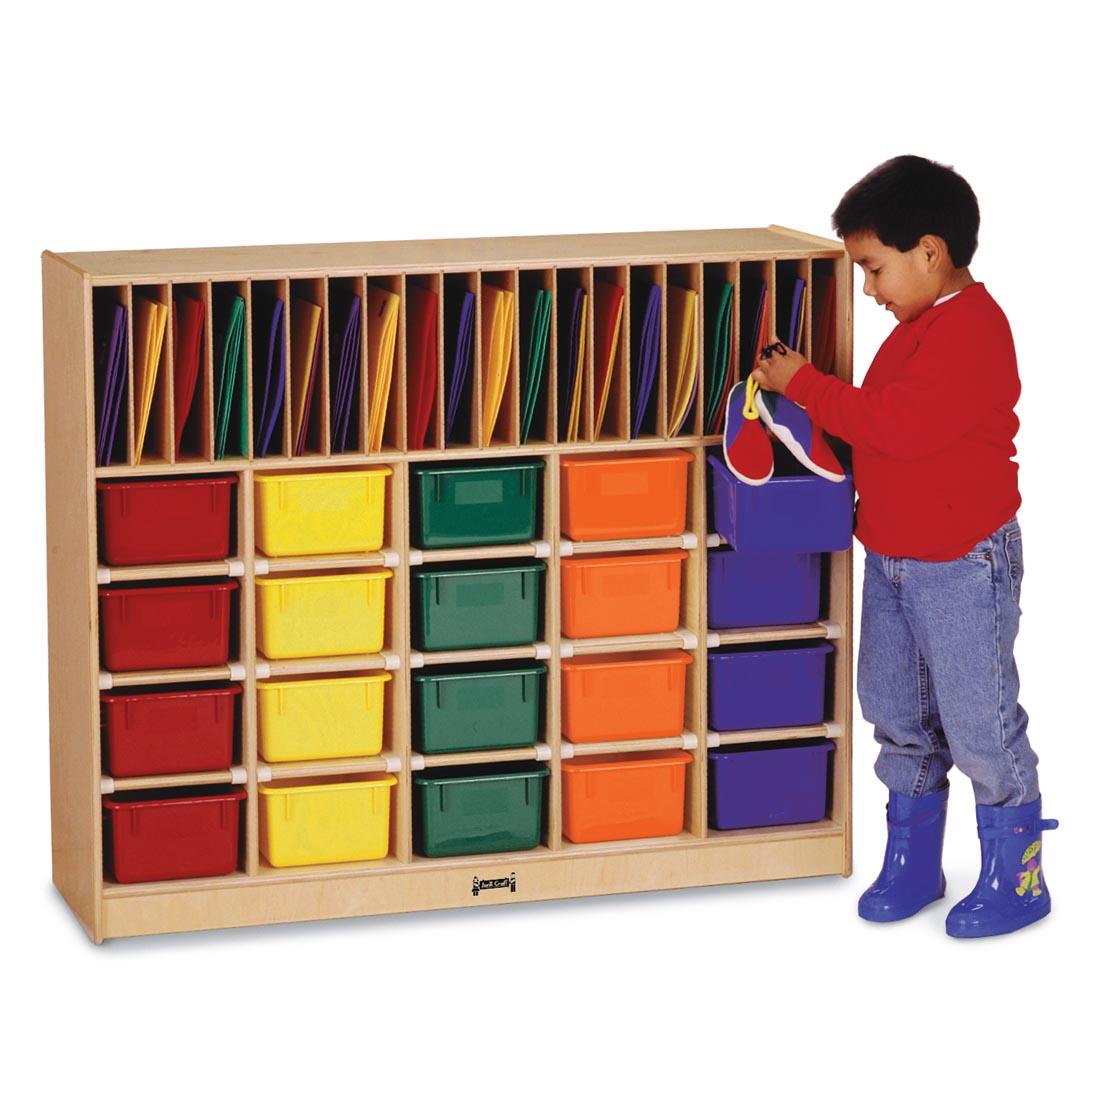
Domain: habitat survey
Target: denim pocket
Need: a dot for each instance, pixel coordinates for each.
(1014, 552)
(983, 551)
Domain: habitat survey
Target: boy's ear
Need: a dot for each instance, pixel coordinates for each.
(935, 251)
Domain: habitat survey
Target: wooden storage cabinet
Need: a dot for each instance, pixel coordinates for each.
(257, 893)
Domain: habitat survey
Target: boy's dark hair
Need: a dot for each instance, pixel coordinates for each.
(906, 197)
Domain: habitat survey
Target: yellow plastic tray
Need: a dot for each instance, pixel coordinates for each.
(321, 616)
(321, 719)
(327, 513)
(325, 822)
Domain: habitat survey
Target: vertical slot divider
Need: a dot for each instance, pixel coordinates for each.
(475, 370)
(551, 526)
(510, 400)
(735, 336)
(206, 421)
(626, 393)
(550, 367)
(398, 403)
(248, 444)
(772, 300)
(401, 517)
(288, 395)
(363, 412)
(440, 413)
(323, 392)
(809, 330)
(128, 401)
(587, 423)
(167, 380)
(246, 603)
(696, 602)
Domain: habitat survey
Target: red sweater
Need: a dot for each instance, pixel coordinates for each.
(931, 429)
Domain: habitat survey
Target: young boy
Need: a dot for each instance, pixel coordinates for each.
(932, 430)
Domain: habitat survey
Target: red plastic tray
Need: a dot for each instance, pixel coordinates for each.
(149, 521)
(165, 625)
(150, 835)
(167, 732)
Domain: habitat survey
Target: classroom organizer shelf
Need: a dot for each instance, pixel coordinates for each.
(386, 577)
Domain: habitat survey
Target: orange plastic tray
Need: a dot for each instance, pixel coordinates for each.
(617, 497)
(613, 594)
(624, 797)
(612, 698)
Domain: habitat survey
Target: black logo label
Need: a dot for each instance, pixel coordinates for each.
(508, 884)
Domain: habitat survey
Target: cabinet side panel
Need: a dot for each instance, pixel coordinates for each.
(70, 538)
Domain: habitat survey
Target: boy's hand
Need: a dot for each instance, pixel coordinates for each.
(775, 373)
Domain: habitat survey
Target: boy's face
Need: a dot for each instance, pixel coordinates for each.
(904, 282)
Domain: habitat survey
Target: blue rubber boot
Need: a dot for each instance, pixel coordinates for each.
(912, 871)
(1011, 892)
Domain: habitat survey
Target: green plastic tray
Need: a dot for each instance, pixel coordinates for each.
(472, 708)
(473, 607)
(475, 505)
(492, 808)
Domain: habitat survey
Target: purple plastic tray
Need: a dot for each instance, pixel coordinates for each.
(761, 588)
(758, 785)
(751, 689)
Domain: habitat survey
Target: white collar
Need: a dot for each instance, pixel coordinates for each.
(945, 298)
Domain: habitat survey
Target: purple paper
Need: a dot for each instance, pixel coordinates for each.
(347, 373)
(649, 355)
(114, 385)
(799, 288)
(463, 347)
(274, 378)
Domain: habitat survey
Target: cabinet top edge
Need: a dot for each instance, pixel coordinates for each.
(458, 254)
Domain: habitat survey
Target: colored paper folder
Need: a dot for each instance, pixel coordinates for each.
(188, 315)
(463, 353)
(422, 361)
(110, 376)
(798, 316)
(382, 313)
(230, 383)
(824, 332)
(683, 350)
(721, 354)
(608, 321)
(577, 372)
(346, 388)
(305, 348)
(644, 366)
(533, 365)
(151, 322)
(270, 352)
(497, 321)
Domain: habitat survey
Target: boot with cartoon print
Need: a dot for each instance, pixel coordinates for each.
(1011, 892)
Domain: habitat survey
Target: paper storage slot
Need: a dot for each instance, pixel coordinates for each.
(164, 625)
(328, 820)
(340, 512)
(151, 521)
(475, 505)
(749, 588)
(475, 708)
(615, 496)
(768, 784)
(789, 512)
(169, 732)
(476, 607)
(321, 719)
(764, 688)
(464, 811)
(623, 797)
(322, 615)
(187, 833)
(623, 696)
(611, 594)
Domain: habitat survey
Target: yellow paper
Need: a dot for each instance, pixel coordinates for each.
(610, 367)
(305, 319)
(683, 308)
(573, 428)
(381, 345)
(152, 320)
(497, 322)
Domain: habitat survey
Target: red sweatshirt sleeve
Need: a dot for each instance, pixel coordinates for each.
(945, 387)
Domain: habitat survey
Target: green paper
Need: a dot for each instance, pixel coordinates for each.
(536, 357)
(231, 381)
(720, 355)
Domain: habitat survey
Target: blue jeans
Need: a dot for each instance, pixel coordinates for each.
(937, 677)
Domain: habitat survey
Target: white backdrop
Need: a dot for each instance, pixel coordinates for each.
(141, 126)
